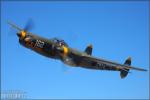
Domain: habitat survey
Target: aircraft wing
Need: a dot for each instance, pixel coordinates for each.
(97, 63)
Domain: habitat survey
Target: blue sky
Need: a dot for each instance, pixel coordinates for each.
(116, 30)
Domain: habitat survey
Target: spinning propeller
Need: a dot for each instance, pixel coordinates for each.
(22, 32)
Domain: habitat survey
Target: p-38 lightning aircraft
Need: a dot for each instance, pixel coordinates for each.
(58, 49)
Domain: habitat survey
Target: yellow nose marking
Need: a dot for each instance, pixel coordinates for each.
(65, 50)
(23, 34)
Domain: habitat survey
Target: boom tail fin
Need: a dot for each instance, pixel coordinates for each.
(88, 49)
(125, 71)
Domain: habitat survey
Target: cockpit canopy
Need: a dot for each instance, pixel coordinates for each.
(59, 42)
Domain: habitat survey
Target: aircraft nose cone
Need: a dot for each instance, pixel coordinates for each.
(19, 35)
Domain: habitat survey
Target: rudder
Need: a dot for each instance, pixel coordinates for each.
(124, 72)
